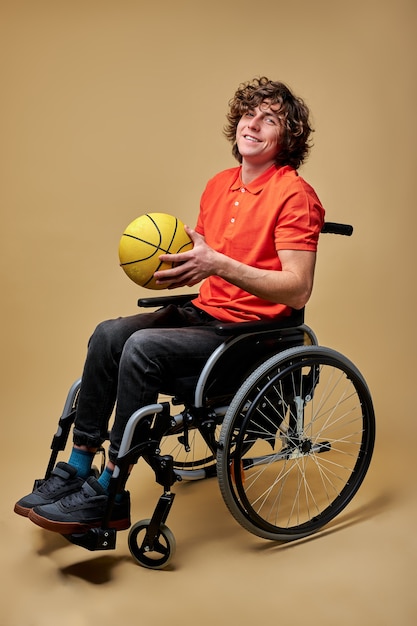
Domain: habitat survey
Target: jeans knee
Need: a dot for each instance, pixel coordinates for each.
(142, 349)
(103, 330)
(133, 347)
(106, 337)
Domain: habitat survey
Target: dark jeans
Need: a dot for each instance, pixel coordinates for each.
(132, 359)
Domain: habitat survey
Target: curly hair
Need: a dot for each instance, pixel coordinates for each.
(293, 114)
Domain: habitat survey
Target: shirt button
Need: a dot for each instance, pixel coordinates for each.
(233, 220)
(236, 203)
(242, 189)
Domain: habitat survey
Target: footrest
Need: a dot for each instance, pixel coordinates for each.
(95, 539)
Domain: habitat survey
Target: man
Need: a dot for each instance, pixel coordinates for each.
(254, 250)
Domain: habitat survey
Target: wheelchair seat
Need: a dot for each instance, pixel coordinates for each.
(245, 346)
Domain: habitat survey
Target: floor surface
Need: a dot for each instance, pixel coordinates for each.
(359, 570)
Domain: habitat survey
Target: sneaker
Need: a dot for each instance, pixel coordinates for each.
(62, 481)
(80, 511)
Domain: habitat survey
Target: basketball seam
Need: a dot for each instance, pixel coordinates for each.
(160, 239)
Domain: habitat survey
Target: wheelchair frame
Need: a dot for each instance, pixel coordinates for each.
(263, 448)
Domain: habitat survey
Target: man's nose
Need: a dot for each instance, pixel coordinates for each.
(254, 121)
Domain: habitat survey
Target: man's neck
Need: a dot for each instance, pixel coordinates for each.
(250, 171)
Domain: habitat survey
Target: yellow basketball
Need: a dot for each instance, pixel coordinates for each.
(144, 240)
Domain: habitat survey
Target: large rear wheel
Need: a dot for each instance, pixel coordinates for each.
(296, 443)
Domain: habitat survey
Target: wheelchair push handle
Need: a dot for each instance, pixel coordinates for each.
(334, 228)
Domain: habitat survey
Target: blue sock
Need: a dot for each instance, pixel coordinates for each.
(105, 478)
(104, 481)
(81, 460)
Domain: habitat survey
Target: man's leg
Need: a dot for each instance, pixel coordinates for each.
(99, 383)
(150, 359)
(96, 401)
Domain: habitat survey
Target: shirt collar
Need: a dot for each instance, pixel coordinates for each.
(256, 185)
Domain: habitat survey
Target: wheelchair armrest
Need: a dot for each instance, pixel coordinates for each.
(163, 300)
(239, 328)
(230, 328)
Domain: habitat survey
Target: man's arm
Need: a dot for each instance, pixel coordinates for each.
(291, 286)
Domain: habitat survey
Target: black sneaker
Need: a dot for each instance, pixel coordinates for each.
(80, 511)
(62, 481)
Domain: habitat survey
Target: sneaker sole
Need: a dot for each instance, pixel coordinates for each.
(21, 510)
(69, 528)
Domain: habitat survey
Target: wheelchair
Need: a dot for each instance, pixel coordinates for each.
(286, 425)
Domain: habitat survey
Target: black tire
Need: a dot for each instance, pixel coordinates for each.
(163, 548)
(282, 481)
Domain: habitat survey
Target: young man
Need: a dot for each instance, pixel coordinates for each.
(254, 250)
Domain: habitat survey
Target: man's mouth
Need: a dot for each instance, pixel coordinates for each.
(250, 138)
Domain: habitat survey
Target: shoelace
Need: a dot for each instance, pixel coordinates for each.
(78, 497)
(51, 485)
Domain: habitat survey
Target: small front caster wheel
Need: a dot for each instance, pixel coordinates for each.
(154, 553)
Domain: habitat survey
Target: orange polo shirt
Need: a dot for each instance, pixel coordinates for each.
(250, 223)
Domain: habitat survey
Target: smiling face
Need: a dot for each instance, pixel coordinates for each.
(258, 135)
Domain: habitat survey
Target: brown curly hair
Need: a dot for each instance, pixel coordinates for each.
(293, 113)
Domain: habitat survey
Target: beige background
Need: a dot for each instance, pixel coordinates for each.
(113, 108)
